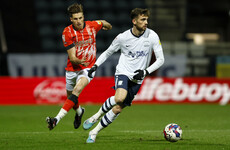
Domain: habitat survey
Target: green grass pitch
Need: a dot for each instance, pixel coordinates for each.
(139, 127)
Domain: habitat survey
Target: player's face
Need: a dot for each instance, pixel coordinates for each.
(141, 22)
(78, 20)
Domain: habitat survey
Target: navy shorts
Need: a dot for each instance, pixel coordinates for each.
(122, 81)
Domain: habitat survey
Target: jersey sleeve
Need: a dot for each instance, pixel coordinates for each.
(158, 51)
(156, 43)
(97, 25)
(67, 39)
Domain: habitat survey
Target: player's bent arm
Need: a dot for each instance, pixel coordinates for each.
(72, 56)
(106, 25)
(159, 61)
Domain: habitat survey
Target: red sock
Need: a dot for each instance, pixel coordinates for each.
(68, 105)
(75, 107)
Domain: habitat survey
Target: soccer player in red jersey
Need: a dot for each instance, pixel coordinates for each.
(79, 39)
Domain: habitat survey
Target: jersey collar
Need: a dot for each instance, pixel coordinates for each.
(135, 35)
(76, 29)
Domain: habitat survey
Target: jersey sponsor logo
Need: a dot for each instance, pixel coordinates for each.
(138, 54)
(84, 43)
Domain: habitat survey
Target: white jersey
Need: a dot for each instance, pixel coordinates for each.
(136, 53)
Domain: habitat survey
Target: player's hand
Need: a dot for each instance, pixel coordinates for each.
(93, 69)
(140, 74)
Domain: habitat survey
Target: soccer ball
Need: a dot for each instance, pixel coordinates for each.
(172, 132)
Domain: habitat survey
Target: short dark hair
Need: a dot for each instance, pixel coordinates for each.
(139, 11)
(75, 8)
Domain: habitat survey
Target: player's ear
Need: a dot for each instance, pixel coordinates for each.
(134, 21)
(71, 19)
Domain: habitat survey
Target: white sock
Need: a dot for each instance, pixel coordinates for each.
(79, 110)
(61, 114)
(98, 128)
(108, 104)
(96, 116)
(108, 118)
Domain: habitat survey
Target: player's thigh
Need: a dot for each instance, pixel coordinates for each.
(120, 95)
(81, 84)
(132, 91)
(82, 80)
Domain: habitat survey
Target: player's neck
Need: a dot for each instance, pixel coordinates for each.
(137, 32)
(78, 28)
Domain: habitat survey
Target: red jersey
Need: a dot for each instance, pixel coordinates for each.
(84, 41)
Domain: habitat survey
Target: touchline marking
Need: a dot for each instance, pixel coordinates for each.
(151, 131)
(37, 132)
(124, 131)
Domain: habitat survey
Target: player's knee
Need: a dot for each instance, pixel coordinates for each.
(119, 100)
(117, 109)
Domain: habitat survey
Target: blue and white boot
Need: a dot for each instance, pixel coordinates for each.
(88, 124)
(92, 137)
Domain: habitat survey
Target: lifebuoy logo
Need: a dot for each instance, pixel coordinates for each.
(50, 91)
(179, 91)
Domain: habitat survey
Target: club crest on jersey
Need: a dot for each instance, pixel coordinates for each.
(98, 22)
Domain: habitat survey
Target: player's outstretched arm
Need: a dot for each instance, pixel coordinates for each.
(106, 25)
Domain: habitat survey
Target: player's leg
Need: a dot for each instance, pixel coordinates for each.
(108, 105)
(112, 101)
(70, 83)
(73, 91)
(107, 119)
(121, 83)
(123, 98)
(82, 81)
(70, 102)
(81, 84)
(63, 111)
(110, 116)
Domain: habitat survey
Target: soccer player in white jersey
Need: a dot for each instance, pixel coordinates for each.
(136, 45)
